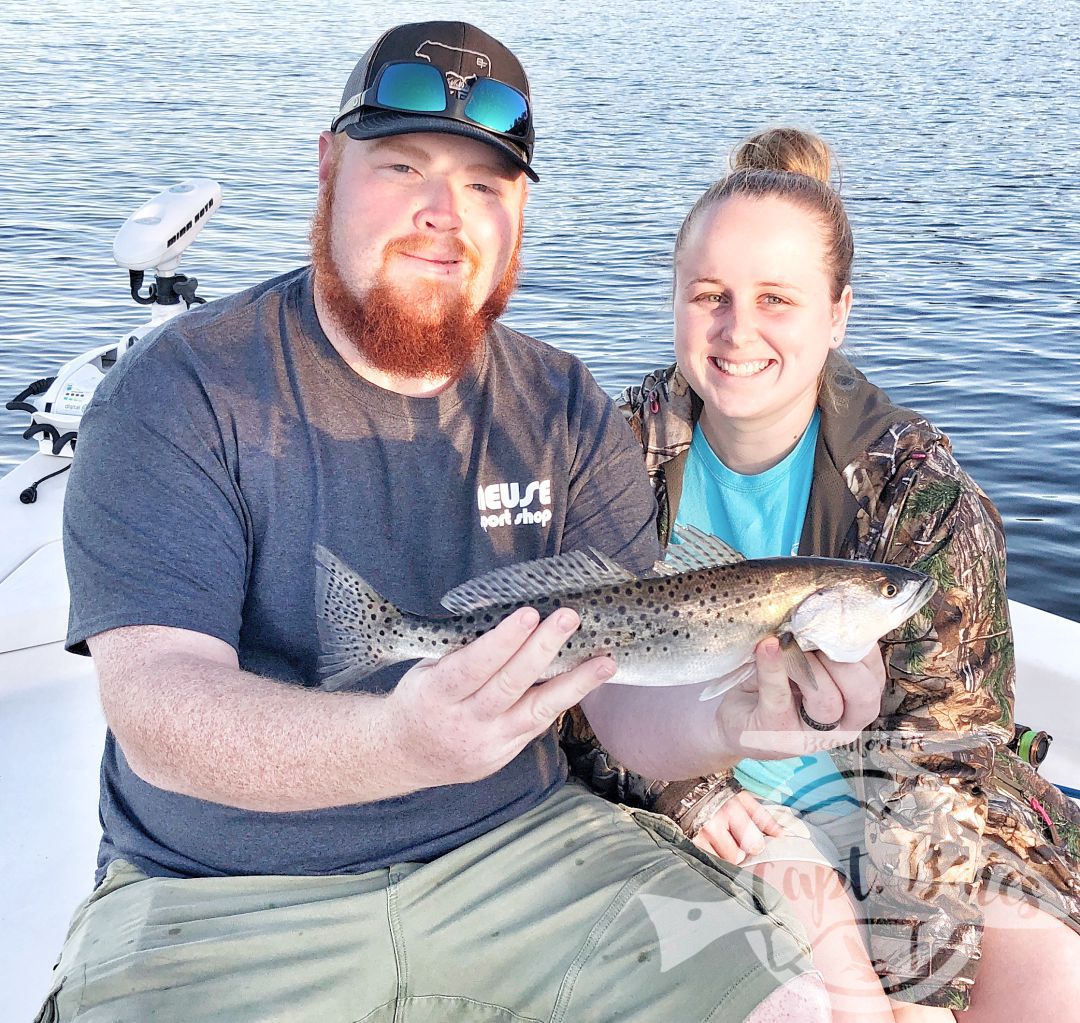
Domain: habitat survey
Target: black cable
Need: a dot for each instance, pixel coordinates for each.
(135, 277)
(29, 495)
(19, 402)
(63, 439)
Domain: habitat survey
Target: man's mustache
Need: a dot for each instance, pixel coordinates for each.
(448, 250)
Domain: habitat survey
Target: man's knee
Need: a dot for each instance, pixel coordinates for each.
(802, 1000)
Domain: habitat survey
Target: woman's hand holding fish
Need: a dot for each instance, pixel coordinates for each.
(468, 714)
(761, 718)
(738, 829)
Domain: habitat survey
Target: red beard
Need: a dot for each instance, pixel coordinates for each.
(412, 336)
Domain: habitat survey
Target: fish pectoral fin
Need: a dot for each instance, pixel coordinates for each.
(796, 664)
(794, 661)
(696, 549)
(721, 685)
(531, 580)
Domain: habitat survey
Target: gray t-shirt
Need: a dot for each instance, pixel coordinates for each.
(226, 445)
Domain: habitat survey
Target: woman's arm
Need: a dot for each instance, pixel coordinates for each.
(947, 709)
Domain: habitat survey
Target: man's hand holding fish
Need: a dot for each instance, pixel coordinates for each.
(463, 717)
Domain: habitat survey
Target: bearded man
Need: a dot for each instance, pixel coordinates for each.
(273, 847)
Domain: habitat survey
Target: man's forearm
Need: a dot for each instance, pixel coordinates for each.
(218, 733)
(665, 733)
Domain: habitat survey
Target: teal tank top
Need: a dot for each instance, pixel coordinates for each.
(762, 517)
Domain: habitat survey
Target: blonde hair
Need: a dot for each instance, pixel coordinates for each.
(786, 149)
(790, 164)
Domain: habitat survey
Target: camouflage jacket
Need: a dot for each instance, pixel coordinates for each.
(948, 809)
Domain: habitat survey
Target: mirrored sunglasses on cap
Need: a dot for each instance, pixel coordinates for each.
(420, 88)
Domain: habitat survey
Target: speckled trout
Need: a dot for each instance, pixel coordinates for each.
(696, 618)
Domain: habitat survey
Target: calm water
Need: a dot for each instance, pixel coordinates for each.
(957, 125)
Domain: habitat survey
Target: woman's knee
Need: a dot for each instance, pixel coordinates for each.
(1030, 963)
(804, 999)
(815, 892)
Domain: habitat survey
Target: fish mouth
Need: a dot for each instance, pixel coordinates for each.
(923, 592)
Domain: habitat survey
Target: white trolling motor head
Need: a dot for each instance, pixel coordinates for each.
(156, 234)
(153, 238)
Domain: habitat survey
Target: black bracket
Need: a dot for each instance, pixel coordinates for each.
(165, 290)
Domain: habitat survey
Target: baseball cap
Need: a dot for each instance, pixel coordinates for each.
(441, 76)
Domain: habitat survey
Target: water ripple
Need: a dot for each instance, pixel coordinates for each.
(961, 172)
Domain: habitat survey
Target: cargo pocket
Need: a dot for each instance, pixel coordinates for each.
(69, 975)
(686, 938)
(62, 1002)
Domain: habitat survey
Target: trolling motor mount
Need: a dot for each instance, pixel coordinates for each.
(153, 238)
(165, 290)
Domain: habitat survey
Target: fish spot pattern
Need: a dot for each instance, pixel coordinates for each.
(672, 619)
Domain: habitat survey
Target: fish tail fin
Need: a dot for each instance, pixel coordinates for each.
(350, 616)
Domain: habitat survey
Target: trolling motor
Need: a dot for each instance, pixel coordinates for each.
(153, 238)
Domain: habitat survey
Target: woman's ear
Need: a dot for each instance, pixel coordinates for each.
(841, 311)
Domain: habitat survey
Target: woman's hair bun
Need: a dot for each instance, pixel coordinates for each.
(785, 149)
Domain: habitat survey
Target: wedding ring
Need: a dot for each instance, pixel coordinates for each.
(818, 726)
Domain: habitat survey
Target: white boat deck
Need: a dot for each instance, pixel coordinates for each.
(51, 732)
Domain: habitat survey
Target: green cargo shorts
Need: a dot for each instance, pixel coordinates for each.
(578, 910)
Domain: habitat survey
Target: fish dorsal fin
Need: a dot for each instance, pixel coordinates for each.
(696, 549)
(530, 580)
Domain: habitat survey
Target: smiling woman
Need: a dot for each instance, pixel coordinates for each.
(765, 436)
(754, 317)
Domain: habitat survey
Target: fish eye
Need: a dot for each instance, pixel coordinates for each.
(889, 589)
